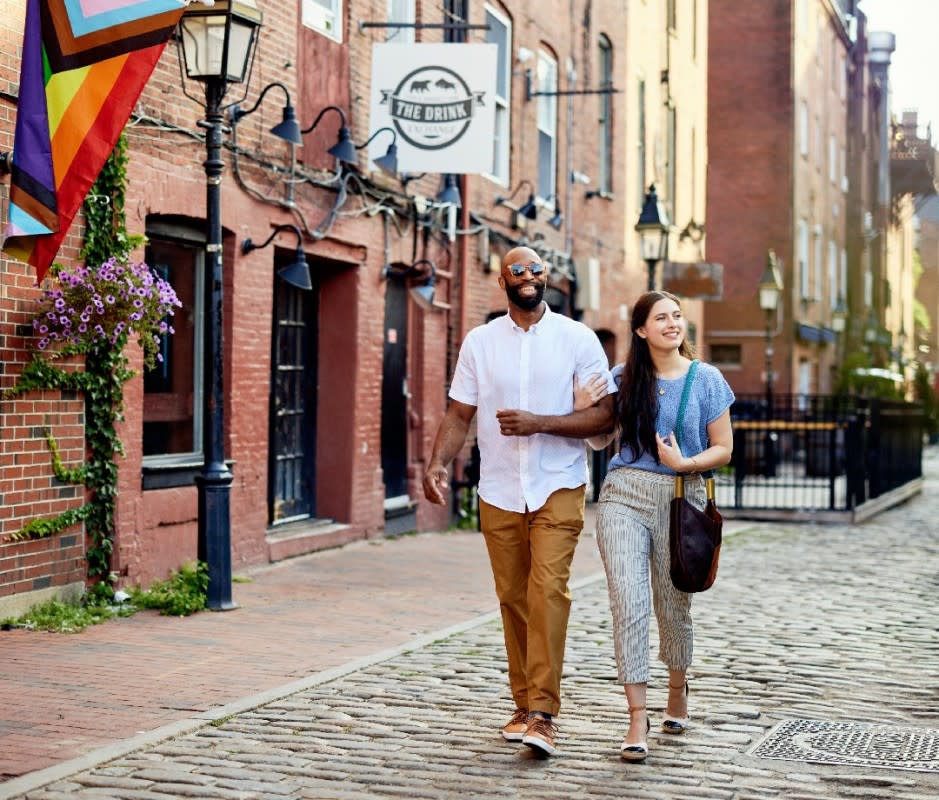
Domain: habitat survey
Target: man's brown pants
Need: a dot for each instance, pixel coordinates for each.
(531, 554)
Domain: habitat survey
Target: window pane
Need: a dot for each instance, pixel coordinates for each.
(498, 34)
(400, 11)
(172, 403)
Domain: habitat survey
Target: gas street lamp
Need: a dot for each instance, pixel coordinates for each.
(770, 291)
(216, 47)
(653, 228)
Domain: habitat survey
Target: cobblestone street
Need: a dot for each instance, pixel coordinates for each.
(828, 623)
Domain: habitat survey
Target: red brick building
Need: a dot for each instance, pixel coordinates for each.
(777, 111)
(331, 396)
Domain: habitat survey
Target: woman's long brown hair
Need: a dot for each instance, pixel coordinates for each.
(637, 400)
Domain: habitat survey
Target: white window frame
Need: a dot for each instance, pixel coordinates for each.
(323, 16)
(547, 124)
(502, 145)
(832, 273)
(401, 11)
(803, 250)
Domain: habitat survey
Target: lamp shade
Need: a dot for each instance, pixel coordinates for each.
(388, 163)
(298, 273)
(557, 220)
(217, 41)
(288, 128)
(653, 227)
(424, 295)
(450, 193)
(529, 209)
(344, 149)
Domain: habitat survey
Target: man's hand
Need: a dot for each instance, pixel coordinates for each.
(436, 484)
(513, 422)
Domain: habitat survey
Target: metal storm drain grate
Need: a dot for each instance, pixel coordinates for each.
(854, 743)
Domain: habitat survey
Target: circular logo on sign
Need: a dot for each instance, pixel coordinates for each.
(432, 107)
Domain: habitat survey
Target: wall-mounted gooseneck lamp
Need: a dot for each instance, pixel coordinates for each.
(529, 209)
(344, 149)
(422, 294)
(297, 273)
(387, 163)
(287, 129)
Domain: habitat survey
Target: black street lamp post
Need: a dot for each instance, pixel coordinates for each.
(217, 48)
(653, 229)
(770, 291)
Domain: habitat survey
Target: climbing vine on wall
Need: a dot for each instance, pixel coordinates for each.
(93, 310)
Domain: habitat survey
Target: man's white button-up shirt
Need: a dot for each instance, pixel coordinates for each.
(502, 366)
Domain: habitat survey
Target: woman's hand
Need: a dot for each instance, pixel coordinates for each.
(670, 453)
(591, 392)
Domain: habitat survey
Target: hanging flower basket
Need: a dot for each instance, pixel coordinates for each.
(97, 308)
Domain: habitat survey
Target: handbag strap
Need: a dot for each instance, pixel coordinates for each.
(685, 393)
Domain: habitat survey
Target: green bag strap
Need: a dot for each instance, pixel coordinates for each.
(686, 391)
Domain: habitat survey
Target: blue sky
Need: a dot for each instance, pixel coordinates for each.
(915, 65)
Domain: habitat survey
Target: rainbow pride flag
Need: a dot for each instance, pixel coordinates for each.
(84, 65)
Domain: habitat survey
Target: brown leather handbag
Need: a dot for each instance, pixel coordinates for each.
(694, 535)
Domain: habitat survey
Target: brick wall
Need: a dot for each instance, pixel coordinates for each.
(750, 152)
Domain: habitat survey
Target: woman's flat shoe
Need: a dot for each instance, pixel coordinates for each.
(634, 752)
(640, 750)
(675, 725)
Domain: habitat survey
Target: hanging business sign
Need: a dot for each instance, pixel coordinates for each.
(699, 280)
(438, 98)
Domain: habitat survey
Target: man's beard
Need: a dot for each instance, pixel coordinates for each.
(527, 303)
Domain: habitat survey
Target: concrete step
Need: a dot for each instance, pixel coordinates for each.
(308, 536)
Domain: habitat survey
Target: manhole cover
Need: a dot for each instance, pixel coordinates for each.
(855, 743)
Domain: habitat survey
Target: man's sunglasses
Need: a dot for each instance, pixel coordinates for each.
(518, 270)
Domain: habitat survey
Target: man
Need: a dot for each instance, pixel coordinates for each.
(518, 372)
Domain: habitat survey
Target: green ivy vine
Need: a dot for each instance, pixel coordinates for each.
(101, 382)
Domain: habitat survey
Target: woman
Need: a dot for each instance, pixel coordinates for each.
(633, 510)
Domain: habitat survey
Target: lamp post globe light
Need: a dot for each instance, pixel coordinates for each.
(770, 291)
(653, 228)
(216, 47)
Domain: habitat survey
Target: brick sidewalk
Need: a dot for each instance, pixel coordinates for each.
(63, 696)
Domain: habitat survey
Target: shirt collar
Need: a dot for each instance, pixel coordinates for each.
(535, 326)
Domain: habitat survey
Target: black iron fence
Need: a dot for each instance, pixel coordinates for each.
(820, 453)
(819, 456)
